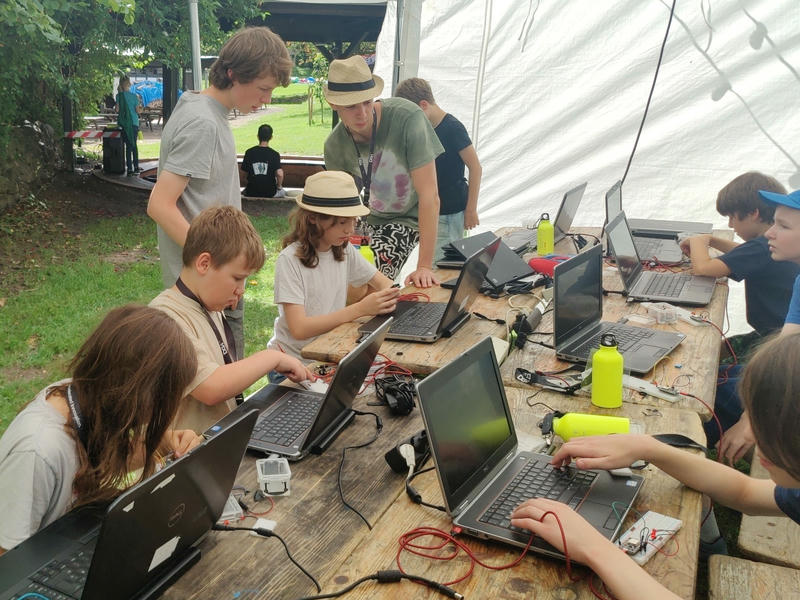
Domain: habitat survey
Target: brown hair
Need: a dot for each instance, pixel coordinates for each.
(129, 377)
(740, 197)
(225, 233)
(770, 387)
(122, 82)
(415, 89)
(252, 52)
(308, 232)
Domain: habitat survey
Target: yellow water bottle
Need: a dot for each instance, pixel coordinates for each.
(607, 373)
(366, 251)
(544, 236)
(570, 425)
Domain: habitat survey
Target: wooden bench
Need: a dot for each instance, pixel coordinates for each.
(738, 578)
(773, 540)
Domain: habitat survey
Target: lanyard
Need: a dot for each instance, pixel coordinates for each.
(366, 176)
(226, 356)
(77, 417)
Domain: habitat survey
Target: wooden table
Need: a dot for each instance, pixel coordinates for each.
(335, 545)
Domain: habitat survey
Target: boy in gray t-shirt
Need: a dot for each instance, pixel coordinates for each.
(197, 165)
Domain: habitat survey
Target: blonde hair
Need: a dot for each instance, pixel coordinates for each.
(225, 233)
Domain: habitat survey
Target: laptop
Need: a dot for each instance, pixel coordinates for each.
(428, 321)
(678, 288)
(483, 475)
(140, 543)
(522, 240)
(577, 325)
(293, 422)
(507, 265)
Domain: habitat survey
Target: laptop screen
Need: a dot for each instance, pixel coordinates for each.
(578, 294)
(469, 426)
(567, 211)
(614, 201)
(469, 283)
(621, 244)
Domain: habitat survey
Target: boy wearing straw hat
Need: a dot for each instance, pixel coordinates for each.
(389, 147)
(318, 267)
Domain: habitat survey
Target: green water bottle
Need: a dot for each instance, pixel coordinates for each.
(366, 251)
(607, 373)
(571, 425)
(544, 236)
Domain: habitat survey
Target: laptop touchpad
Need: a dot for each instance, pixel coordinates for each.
(646, 350)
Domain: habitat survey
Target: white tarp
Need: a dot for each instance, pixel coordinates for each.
(553, 93)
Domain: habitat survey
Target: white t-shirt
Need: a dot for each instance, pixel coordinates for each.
(38, 463)
(321, 290)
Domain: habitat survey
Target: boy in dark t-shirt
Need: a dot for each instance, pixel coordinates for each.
(261, 170)
(458, 200)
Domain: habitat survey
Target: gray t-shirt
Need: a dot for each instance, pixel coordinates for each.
(197, 143)
(38, 462)
(321, 290)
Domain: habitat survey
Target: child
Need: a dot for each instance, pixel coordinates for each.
(317, 264)
(222, 250)
(261, 171)
(458, 201)
(768, 389)
(77, 441)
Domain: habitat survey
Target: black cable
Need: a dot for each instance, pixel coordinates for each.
(378, 428)
(620, 292)
(650, 96)
(415, 496)
(267, 533)
(540, 343)
(393, 576)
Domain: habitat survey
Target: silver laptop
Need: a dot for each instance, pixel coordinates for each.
(678, 288)
(577, 324)
(294, 422)
(483, 475)
(519, 241)
(428, 321)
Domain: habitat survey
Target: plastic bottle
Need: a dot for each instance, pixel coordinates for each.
(544, 236)
(607, 373)
(366, 251)
(573, 425)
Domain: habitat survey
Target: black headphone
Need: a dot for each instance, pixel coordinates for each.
(397, 392)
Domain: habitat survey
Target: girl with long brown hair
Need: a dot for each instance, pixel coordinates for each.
(86, 438)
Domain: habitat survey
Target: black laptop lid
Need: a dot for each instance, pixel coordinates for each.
(468, 421)
(621, 244)
(567, 211)
(346, 382)
(153, 525)
(578, 295)
(469, 283)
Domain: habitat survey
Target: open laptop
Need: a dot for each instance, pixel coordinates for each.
(482, 473)
(143, 541)
(522, 240)
(577, 324)
(428, 321)
(294, 422)
(679, 288)
(507, 265)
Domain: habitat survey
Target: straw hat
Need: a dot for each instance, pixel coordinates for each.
(332, 193)
(350, 81)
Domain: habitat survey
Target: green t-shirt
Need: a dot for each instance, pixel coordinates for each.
(404, 141)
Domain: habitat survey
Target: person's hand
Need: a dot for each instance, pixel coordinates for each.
(471, 219)
(423, 277)
(380, 302)
(736, 442)
(584, 542)
(182, 441)
(603, 451)
(684, 244)
(294, 369)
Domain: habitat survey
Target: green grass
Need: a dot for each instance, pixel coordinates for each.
(44, 325)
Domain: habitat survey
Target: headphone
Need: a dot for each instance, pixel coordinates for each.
(397, 392)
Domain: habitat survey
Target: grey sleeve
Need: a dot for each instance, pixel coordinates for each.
(192, 149)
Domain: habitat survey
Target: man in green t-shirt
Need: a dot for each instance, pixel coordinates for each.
(389, 147)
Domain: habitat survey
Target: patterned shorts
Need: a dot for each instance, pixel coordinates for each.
(391, 243)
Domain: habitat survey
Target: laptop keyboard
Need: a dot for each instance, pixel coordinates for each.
(627, 337)
(61, 578)
(419, 319)
(647, 247)
(285, 424)
(666, 284)
(538, 479)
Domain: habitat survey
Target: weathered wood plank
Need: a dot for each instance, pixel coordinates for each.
(730, 577)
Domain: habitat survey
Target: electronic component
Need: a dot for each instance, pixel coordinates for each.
(232, 511)
(647, 535)
(262, 523)
(274, 475)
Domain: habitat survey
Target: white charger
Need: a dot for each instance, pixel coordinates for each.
(274, 475)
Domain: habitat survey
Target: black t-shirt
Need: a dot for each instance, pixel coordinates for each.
(260, 164)
(768, 283)
(450, 167)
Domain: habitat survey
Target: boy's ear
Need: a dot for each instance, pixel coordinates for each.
(203, 263)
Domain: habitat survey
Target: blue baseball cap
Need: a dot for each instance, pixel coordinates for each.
(791, 200)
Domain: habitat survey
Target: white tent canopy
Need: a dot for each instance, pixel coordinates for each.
(553, 94)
